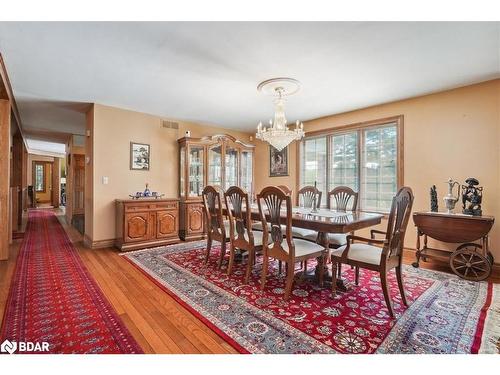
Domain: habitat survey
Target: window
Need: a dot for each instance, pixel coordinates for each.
(344, 161)
(379, 168)
(40, 178)
(314, 162)
(366, 157)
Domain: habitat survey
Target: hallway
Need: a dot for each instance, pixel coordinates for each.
(54, 300)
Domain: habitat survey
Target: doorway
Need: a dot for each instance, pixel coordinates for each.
(42, 183)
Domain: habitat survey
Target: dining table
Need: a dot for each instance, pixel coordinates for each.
(326, 221)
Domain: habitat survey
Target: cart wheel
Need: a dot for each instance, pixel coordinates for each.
(469, 264)
(490, 258)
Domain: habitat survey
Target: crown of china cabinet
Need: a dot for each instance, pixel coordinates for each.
(214, 160)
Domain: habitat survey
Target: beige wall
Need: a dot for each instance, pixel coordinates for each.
(454, 134)
(113, 130)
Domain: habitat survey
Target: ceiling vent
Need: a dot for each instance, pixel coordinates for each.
(169, 124)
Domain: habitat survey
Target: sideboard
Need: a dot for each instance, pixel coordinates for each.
(146, 223)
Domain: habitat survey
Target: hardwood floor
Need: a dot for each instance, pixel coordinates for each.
(156, 320)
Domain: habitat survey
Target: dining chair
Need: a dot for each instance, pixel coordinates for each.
(281, 245)
(305, 198)
(342, 199)
(382, 258)
(286, 189)
(307, 194)
(240, 229)
(217, 227)
(258, 225)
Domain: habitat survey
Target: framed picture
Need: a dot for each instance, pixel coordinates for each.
(140, 156)
(278, 162)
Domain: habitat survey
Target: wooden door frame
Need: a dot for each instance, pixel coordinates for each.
(73, 184)
(33, 179)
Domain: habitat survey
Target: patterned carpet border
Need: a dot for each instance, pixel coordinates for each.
(53, 297)
(474, 327)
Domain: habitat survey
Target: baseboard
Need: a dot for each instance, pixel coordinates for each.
(88, 243)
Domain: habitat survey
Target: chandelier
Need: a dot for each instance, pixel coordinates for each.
(277, 134)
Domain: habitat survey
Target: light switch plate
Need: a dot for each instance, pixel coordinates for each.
(105, 180)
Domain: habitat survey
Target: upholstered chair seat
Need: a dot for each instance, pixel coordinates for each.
(360, 252)
(334, 239)
(303, 248)
(304, 234)
(258, 226)
(257, 238)
(227, 225)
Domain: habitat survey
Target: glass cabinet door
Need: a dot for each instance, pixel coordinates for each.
(196, 155)
(246, 171)
(231, 167)
(215, 165)
(182, 172)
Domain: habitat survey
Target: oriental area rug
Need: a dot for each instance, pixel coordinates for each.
(53, 301)
(446, 314)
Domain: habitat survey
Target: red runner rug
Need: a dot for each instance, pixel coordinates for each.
(53, 298)
(444, 316)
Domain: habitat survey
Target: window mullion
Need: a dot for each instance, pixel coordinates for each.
(361, 172)
(328, 161)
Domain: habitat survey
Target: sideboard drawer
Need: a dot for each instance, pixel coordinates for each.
(151, 206)
(137, 207)
(166, 206)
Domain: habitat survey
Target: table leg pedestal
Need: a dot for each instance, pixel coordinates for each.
(327, 273)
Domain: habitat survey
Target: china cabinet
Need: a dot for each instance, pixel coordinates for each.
(220, 160)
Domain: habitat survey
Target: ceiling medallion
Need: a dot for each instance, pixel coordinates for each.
(277, 133)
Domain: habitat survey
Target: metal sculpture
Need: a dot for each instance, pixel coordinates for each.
(472, 196)
(434, 199)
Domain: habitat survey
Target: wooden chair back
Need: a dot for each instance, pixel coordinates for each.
(345, 199)
(397, 223)
(239, 213)
(271, 200)
(212, 203)
(307, 194)
(286, 189)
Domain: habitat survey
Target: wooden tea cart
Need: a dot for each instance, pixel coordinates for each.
(471, 260)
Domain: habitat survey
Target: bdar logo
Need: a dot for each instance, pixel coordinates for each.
(8, 347)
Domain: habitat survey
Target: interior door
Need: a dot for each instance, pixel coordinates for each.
(42, 182)
(78, 184)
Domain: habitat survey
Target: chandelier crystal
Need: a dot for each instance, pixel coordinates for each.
(277, 133)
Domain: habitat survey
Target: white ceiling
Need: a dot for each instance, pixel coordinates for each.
(208, 72)
(43, 147)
